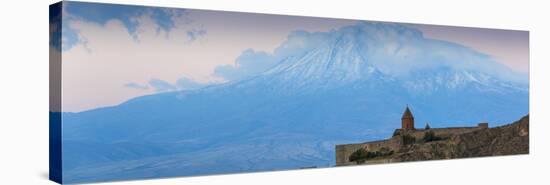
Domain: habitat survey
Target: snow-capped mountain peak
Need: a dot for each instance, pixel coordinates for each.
(386, 52)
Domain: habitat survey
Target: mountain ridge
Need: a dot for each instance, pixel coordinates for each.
(328, 90)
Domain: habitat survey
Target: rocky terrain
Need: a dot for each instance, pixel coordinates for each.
(508, 139)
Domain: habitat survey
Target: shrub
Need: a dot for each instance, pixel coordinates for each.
(361, 155)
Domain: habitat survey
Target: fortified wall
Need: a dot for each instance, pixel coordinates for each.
(396, 142)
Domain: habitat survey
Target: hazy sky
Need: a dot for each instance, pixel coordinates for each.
(113, 53)
(506, 46)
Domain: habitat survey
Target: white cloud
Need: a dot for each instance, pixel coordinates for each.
(248, 64)
(96, 71)
(136, 86)
(394, 49)
(161, 85)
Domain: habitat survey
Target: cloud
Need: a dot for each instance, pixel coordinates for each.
(62, 36)
(193, 34)
(248, 64)
(164, 19)
(161, 85)
(133, 85)
(251, 62)
(55, 15)
(106, 47)
(113, 57)
(510, 47)
(187, 84)
(164, 86)
(394, 49)
(102, 13)
(120, 59)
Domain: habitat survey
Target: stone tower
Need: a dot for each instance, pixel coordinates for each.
(407, 121)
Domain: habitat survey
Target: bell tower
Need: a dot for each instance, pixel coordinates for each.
(407, 121)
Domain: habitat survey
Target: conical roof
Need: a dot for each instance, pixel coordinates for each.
(407, 113)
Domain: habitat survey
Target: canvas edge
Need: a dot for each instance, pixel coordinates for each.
(55, 117)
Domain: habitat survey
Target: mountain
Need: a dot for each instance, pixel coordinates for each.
(347, 85)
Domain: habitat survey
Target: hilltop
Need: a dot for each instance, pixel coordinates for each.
(442, 143)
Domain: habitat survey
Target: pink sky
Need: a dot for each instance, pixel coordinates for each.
(509, 47)
(169, 55)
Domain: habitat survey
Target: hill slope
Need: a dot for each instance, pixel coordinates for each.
(511, 139)
(504, 140)
(340, 86)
